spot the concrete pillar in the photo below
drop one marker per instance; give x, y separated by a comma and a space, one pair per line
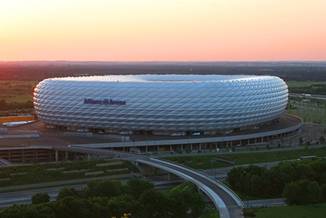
23, 156
56, 154
66, 155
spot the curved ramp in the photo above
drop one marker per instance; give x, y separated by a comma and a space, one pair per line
225, 200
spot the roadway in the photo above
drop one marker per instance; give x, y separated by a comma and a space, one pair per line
273, 202
311, 96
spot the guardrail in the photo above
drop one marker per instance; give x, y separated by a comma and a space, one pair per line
236, 198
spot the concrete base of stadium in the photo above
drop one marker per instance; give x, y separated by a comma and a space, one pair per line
128, 134
54, 145
271, 134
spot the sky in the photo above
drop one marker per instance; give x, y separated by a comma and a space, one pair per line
163, 30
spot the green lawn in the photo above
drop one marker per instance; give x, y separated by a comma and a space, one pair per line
39, 173
310, 110
311, 87
210, 161
304, 211
293, 83
199, 162
16, 91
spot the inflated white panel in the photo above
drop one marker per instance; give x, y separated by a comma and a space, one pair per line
160, 102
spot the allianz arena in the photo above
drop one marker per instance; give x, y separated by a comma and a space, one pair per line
160, 103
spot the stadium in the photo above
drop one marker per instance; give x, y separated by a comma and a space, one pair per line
159, 103
183, 110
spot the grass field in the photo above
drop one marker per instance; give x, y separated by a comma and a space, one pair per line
304, 211
307, 87
307, 83
211, 161
309, 110
16, 91
39, 173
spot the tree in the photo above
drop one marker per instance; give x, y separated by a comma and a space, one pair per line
70, 207
314, 192
28, 211
154, 204
186, 200
123, 204
67, 192
319, 167
322, 140
257, 186
261, 182
100, 204
323, 192
3, 105
135, 187
106, 188
302, 192
234, 176
276, 182
287, 172
250, 180
300, 140
40, 198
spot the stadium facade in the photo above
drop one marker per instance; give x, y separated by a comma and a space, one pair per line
160, 103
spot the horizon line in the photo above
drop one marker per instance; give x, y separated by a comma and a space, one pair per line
169, 61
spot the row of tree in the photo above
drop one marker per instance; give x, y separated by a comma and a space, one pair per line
136, 199
299, 182
4, 105
312, 89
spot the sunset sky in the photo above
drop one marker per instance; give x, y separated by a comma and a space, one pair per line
163, 30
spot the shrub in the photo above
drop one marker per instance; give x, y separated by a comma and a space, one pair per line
67, 192
302, 192
28, 211
323, 192
70, 207
136, 187
105, 188
40, 198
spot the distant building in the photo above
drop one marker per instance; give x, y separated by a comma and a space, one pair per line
173, 104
